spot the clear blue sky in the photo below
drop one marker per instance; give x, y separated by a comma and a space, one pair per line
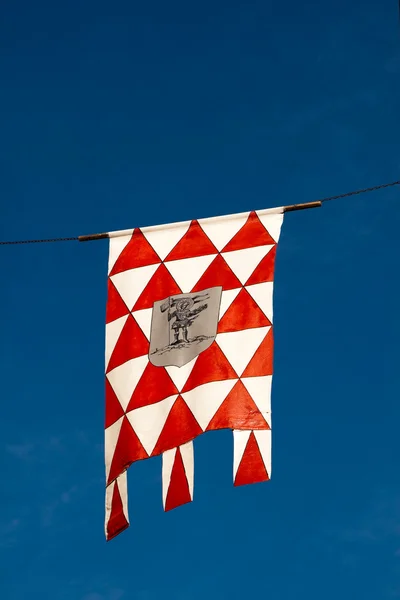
122, 114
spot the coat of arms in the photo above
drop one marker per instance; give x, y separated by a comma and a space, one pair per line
182, 326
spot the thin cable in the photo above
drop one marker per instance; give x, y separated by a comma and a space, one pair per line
66, 239
363, 191
100, 236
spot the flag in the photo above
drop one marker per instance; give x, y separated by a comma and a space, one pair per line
189, 349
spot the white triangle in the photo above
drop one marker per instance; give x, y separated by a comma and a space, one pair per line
163, 240
116, 246
143, 319
130, 284
205, 400
111, 436
124, 379
272, 223
148, 421
262, 294
227, 298
188, 271
239, 346
264, 441
240, 439
113, 331
187, 454
243, 262
221, 231
180, 375
259, 389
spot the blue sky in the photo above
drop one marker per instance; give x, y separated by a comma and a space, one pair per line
123, 114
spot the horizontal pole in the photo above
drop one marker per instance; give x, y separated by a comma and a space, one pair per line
92, 237
292, 207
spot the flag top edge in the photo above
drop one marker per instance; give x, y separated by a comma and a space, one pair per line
266, 211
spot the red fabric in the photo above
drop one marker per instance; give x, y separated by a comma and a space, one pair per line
251, 468
161, 285
265, 270
238, 411
218, 274
253, 233
117, 521
128, 450
180, 427
114, 409
243, 313
116, 307
132, 343
194, 243
262, 362
137, 253
178, 489
211, 365
154, 385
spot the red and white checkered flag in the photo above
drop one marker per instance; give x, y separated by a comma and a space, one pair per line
189, 349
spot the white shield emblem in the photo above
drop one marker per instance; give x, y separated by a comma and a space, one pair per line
182, 326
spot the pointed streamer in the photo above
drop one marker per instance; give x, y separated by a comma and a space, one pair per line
177, 476
117, 517
249, 465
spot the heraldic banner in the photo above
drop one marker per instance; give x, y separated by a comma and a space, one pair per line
189, 349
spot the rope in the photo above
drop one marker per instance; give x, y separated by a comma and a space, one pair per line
363, 191
65, 239
328, 199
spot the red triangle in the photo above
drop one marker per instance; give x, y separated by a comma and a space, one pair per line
178, 489
264, 270
194, 243
131, 343
211, 365
263, 360
238, 411
117, 521
180, 427
128, 450
242, 314
218, 273
251, 468
160, 286
154, 385
137, 253
114, 410
116, 307
253, 233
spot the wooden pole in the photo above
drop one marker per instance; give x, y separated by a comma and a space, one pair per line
292, 207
